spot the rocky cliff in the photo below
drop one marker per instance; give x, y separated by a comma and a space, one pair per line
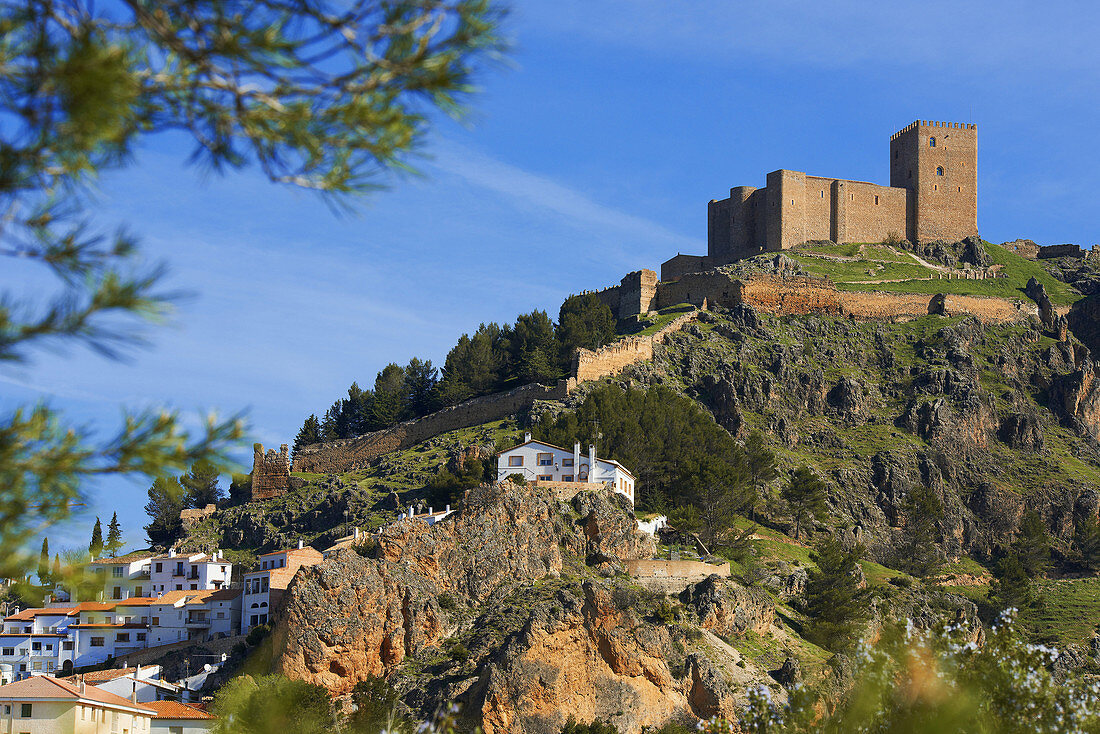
516, 608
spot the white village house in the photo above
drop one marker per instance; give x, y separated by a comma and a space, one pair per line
538, 461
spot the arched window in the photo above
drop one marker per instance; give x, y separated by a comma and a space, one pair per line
931, 142
939, 170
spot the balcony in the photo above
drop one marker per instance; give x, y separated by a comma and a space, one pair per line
200, 622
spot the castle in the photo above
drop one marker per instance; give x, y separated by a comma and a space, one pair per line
933, 195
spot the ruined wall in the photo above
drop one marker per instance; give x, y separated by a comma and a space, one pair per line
353, 453
903, 306
1049, 251
675, 569
676, 267
1023, 248
613, 358
191, 518
270, 472
637, 293
789, 294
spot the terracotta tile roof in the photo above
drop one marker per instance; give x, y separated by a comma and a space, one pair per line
94, 606
176, 710
137, 601
41, 686
27, 614
200, 596
128, 558
118, 625
100, 676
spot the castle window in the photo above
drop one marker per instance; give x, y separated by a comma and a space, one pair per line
910, 173
939, 170
876, 201
931, 142
822, 194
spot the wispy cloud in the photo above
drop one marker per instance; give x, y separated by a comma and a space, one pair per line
542, 193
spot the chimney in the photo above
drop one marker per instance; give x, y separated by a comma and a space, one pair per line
82, 685
431, 510
526, 436
171, 552
448, 508
301, 544
576, 459
591, 462
357, 533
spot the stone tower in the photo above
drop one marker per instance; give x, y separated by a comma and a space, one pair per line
937, 163
270, 472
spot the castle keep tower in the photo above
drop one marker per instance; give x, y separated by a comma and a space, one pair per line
937, 162
933, 195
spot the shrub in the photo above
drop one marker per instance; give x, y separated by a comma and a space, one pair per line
572, 726
257, 634
459, 652
447, 602
517, 479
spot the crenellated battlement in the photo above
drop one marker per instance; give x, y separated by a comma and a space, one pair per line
917, 124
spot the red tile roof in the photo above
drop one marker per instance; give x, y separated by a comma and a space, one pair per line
41, 686
176, 710
128, 558
100, 676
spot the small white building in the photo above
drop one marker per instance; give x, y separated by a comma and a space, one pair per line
140, 683
173, 717
189, 572
42, 705
194, 615
119, 578
538, 461
265, 585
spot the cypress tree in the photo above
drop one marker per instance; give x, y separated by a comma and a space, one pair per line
96, 546
44, 563
114, 537
805, 494
56, 576
835, 603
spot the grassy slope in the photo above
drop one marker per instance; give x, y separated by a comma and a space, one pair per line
881, 262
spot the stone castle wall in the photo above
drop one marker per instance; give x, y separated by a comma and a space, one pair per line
270, 471
613, 358
675, 569
354, 453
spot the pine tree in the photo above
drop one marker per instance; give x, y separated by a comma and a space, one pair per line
388, 397
96, 546
835, 603
1032, 544
200, 486
1011, 586
44, 563
760, 464
114, 537
164, 506
1086, 542
920, 555
419, 387
308, 434
584, 321
805, 495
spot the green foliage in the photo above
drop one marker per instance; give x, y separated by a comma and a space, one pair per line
760, 463
837, 607
517, 479
240, 488
572, 726
44, 563
200, 485
1011, 587
95, 547
375, 703
114, 536
446, 487
920, 555
1086, 542
247, 705
938, 683
309, 433
257, 634
718, 488
664, 438
166, 500
325, 96
1032, 544
584, 321
805, 494
459, 652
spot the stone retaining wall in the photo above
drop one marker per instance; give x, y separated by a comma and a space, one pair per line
656, 568
613, 358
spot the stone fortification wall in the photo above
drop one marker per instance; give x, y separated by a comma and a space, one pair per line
354, 453
613, 358
903, 306
191, 518
1049, 251
636, 294
675, 569
270, 471
1023, 248
789, 294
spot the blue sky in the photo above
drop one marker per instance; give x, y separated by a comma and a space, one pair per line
591, 152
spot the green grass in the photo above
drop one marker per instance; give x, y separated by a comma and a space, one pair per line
859, 270
663, 318
1069, 611
847, 250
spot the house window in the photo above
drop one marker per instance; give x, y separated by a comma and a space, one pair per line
263, 584
67, 645
116, 571
939, 170
97, 642
36, 645
137, 591
25, 711
160, 567
545, 477
194, 587
117, 593
123, 637
931, 142
252, 620
141, 637
37, 666
221, 615
179, 587
9, 651
546, 459
263, 565
567, 478
156, 621
515, 461
876, 201
567, 461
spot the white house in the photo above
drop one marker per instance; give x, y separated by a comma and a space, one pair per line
43, 705
189, 572
265, 585
538, 461
187, 615
140, 683
120, 578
